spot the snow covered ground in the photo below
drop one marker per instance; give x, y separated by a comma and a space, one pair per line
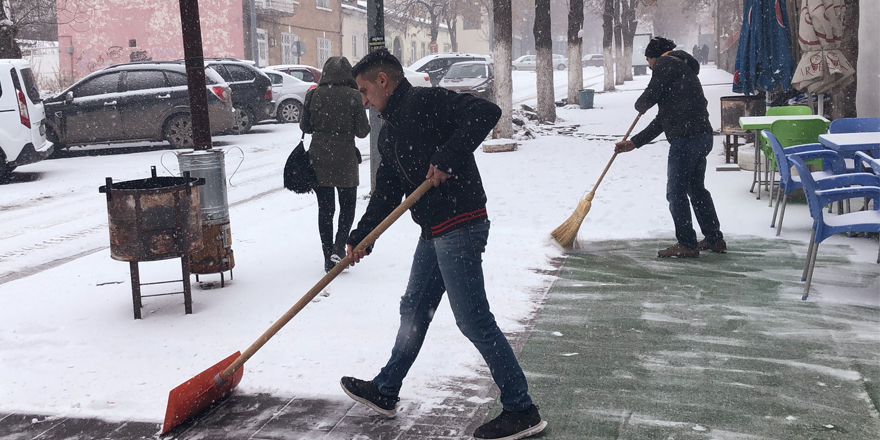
69, 345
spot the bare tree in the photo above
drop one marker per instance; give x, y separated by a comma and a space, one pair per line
844, 99
628, 26
39, 20
619, 62
501, 53
8, 29
575, 48
544, 65
607, 43
434, 11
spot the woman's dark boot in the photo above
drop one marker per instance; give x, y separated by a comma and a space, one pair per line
328, 256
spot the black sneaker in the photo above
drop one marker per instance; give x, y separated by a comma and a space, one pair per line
365, 392
512, 425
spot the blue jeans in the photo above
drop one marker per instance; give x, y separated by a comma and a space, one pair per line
453, 263
685, 186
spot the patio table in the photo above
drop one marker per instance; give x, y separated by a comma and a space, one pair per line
759, 123
848, 143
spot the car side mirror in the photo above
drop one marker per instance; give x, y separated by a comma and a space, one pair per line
68, 98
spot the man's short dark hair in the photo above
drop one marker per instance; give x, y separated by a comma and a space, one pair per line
378, 61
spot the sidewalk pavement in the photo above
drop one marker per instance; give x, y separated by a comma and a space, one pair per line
627, 346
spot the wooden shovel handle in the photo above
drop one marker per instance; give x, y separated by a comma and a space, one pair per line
625, 137
314, 291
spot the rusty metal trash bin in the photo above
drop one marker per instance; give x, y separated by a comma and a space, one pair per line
154, 219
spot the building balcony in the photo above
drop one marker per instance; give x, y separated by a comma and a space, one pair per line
275, 8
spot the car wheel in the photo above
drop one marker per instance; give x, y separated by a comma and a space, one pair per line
178, 131
4, 168
289, 111
243, 121
561, 67
53, 137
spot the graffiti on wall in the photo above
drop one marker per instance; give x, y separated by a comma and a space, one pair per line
91, 60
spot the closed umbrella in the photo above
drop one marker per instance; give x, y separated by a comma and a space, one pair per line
823, 66
763, 59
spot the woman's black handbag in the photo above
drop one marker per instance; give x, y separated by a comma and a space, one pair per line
299, 174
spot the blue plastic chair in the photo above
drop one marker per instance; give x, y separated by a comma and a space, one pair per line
869, 164
854, 125
830, 190
832, 162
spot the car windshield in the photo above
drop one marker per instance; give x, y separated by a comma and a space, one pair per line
459, 71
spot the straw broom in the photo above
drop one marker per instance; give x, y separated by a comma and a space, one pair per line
566, 233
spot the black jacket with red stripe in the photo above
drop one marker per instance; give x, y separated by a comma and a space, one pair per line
426, 126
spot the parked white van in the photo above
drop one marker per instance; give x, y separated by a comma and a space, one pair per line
22, 118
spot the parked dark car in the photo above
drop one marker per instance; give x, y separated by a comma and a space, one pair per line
436, 65
474, 77
134, 102
301, 72
593, 59
251, 91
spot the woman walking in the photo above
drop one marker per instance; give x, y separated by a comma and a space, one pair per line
334, 115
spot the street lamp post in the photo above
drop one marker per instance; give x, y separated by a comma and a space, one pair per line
376, 34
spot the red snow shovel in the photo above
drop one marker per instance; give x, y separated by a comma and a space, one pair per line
196, 394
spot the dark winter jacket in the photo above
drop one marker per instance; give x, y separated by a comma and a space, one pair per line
426, 126
678, 94
334, 114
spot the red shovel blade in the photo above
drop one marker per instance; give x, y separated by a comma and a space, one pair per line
198, 393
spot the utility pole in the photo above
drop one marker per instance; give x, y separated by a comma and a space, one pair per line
376, 34
216, 255
195, 73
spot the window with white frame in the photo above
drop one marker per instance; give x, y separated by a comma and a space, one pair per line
423, 50
325, 50
288, 48
262, 48
354, 46
323, 3
366, 45
412, 52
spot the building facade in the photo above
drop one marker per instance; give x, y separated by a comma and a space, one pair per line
317, 24
269, 32
121, 31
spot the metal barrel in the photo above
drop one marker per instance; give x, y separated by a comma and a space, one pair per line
210, 165
153, 219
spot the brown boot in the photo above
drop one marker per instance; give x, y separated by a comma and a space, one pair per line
679, 251
719, 247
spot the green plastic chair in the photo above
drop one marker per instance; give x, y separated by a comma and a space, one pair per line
789, 110
791, 133
784, 110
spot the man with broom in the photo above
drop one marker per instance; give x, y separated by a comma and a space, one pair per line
432, 133
683, 116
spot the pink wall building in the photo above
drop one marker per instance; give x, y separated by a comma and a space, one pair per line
106, 32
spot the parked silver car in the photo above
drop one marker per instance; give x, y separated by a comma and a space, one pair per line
289, 94
528, 62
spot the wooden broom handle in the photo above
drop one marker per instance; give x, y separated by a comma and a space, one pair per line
226, 374
625, 137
